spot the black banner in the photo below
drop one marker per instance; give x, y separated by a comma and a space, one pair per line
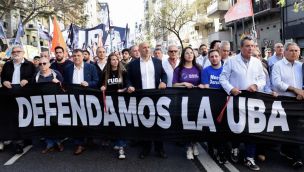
172, 114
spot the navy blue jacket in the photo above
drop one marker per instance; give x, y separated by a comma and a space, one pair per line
90, 75
134, 73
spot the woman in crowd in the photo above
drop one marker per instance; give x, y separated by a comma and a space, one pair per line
114, 79
187, 74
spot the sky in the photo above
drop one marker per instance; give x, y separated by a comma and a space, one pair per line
126, 11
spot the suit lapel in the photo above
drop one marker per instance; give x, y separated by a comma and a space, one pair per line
85, 72
155, 68
137, 70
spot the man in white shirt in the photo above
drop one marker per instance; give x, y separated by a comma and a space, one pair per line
287, 80
244, 72
203, 58
85, 75
147, 73
171, 63
101, 62
287, 77
158, 53
224, 50
15, 74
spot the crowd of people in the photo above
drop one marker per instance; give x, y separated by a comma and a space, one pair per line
139, 68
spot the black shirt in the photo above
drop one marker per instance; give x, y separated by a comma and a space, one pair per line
113, 82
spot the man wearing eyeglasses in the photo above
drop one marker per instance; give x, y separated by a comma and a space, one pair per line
15, 74
171, 63
18, 71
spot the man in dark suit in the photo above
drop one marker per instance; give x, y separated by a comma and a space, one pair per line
147, 73
15, 74
101, 62
83, 74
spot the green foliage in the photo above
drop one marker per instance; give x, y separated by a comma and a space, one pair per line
282, 3
297, 6
172, 16
31, 9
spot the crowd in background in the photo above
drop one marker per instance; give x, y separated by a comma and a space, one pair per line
141, 67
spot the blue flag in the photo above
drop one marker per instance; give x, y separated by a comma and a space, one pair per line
2, 33
20, 33
44, 35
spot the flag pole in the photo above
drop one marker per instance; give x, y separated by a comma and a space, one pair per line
253, 28
38, 38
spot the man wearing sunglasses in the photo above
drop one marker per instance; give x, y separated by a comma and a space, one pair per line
46, 74
170, 63
16, 74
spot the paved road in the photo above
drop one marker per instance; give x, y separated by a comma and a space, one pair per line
104, 159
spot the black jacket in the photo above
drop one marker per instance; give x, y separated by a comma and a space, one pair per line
134, 73
27, 71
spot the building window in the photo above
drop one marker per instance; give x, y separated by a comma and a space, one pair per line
28, 39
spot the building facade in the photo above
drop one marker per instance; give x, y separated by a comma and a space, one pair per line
293, 25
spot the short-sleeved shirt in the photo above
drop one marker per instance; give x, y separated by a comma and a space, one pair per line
190, 75
211, 76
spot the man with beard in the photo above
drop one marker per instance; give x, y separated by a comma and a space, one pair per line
202, 60
17, 73
87, 57
125, 57
61, 61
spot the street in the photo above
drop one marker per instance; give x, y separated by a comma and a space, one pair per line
97, 158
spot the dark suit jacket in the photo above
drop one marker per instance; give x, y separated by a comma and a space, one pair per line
60, 67
27, 71
90, 75
134, 74
99, 73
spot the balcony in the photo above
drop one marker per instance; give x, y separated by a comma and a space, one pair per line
202, 19
217, 8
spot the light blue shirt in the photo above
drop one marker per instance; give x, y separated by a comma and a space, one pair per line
285, 74
272, 60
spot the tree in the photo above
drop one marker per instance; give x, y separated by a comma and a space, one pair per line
172, 16
298, 5
31, 9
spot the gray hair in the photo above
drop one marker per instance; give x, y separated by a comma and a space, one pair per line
286, 46
277, 44
17, 46
170, 46
246, 38
132, 47
224, 43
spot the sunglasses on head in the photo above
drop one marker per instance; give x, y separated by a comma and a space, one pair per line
40, 64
